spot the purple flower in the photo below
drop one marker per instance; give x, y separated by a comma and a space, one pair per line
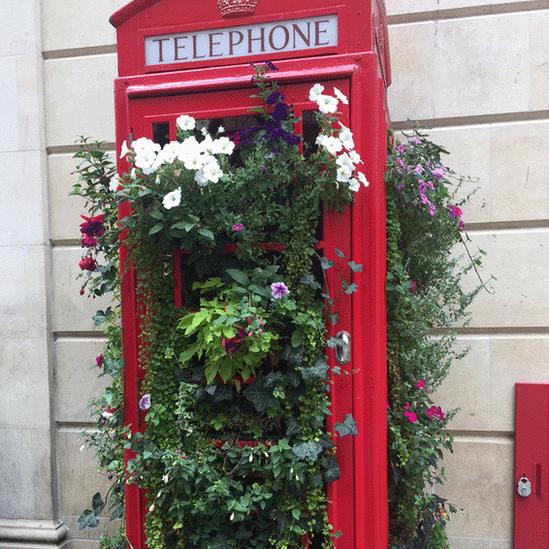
281, 112
418, 169
401, 149
145, 402
438, 173
274, 98
279, 290
291, 138
99, 361
415, 140
270, 66
237, 228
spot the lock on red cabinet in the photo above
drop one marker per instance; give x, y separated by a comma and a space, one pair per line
335, 43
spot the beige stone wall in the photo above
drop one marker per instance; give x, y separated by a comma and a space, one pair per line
476, 71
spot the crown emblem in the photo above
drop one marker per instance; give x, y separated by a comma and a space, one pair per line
236, 8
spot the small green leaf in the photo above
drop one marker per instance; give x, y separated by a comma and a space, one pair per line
355, 267
297, 338
307, 450
184, 225
350, 289
326, 264
206, 233
340, 253
156, 228
87, 520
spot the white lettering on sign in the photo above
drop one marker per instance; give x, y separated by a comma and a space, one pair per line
246, 40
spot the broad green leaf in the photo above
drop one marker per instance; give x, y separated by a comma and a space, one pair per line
210, 372
206, 233
184, 225
239, 276
97, 503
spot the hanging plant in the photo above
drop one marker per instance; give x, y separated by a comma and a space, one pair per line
236, 452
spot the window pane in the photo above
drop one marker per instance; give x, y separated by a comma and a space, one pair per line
161, 133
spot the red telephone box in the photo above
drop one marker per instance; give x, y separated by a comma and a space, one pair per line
190, 56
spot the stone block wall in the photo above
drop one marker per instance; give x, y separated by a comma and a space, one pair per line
474, 71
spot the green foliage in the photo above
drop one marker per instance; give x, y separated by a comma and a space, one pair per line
424, 294
236, 453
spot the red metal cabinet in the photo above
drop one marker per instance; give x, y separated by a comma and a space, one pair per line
532, 466
149, 99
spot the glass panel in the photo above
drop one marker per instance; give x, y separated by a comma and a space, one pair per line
161, 133
232, 124
311, 129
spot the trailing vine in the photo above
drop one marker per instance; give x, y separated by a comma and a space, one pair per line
424, 294
236, 388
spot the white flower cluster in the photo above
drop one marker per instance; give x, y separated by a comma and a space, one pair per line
197, 156
342, 145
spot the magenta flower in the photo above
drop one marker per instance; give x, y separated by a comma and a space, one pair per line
89, 241
413, 287
279, 290
145, 402
456, 213
237, 228
435, 412
410, 416
418, 169
401, 149
92, 226
415, 140
99, 361
420, 384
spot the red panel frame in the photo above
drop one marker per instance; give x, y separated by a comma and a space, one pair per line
532, 461
366, 492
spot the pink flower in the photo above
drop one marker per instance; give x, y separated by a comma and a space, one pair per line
237, 228
438, 173
413, 287
456, 213
435, 412
92, 226
420, 384
99, 361
414, 140
401, 149
418, 169
410, 416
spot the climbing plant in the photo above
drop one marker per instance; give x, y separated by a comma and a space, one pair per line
426, 248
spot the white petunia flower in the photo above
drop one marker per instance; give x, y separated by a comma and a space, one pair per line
186, 122
355, 157
169, 153
114, 184
207, 144
341, 96
221, 129
346, 136
124, 151
223, 145
362, 178
204, 131
172, 200
354, 185
200, 178
212, 172
343, 175
345, 161
327, 104
165, 479
332, 144
145, 145
193, 161
315, 92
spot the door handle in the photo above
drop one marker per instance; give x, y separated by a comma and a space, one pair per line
343, 347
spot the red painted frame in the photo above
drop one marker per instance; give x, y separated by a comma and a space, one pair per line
367, 73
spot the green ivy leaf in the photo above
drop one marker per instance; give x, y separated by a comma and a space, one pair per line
350, 289
314, 373
307, 450
87, 520
220, 542
326, 264
348, 427
260, 396
331, 469
97, 503
355, 267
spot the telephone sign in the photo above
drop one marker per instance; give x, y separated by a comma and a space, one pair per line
242, 41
